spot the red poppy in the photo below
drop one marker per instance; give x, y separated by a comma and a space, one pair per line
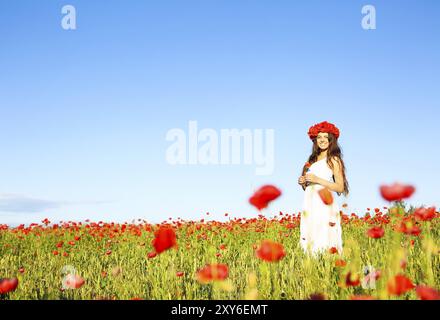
427, 293
333, 250
396, 192
8, 285
326, 196
399, 285
408, 227
414, 231
73, 281
263, 196
270, 251
317, 296
323, 127
362, 297
165, 238
212, 272
55, 253
180, 273
376, 232
340, 263
349, 282
151, 255
424, 214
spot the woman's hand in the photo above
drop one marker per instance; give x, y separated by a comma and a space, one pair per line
302, 180
312, 178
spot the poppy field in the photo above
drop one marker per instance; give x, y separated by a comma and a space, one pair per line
388, 253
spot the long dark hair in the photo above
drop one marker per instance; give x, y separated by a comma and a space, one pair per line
333, 152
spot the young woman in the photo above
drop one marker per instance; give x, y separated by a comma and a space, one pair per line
320, 228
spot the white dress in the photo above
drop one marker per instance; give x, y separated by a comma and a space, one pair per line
320, 227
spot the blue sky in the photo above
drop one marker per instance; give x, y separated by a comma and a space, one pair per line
84, 113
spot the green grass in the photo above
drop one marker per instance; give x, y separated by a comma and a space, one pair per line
296, 276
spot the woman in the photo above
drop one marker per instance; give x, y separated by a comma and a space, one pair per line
320, 228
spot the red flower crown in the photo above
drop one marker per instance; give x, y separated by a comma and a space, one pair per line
323, 127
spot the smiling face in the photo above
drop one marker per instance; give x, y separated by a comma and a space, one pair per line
322, 140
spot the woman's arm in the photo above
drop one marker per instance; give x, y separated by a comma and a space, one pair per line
302, 182
338, 185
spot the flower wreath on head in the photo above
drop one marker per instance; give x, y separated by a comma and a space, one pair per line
323, 127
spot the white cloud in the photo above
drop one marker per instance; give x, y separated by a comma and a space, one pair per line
24, 204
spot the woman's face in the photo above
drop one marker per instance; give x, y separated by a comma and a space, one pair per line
322, 140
